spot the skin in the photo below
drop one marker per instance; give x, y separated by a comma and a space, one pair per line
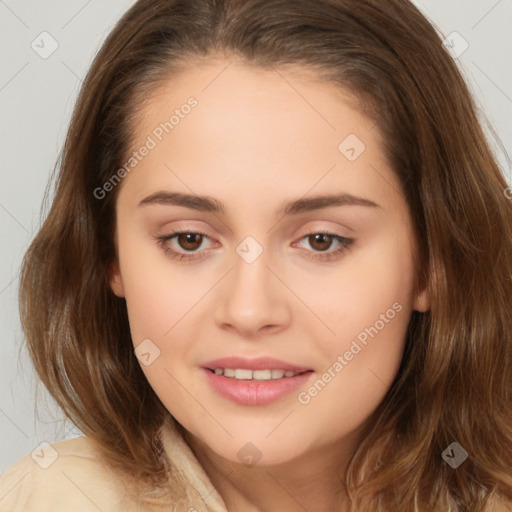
254, 142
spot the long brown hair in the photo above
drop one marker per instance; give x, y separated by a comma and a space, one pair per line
454, 384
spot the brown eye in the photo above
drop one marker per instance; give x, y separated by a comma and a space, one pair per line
189, 241
320, 241
320, 245
184, 246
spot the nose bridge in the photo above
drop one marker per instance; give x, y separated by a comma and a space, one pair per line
252, 298
250, 277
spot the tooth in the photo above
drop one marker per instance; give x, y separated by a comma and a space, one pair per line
277, 374
242, 373
262, 374
246, 374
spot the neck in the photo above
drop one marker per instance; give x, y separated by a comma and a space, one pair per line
311, 481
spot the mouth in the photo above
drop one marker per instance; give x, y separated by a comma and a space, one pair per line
254, 381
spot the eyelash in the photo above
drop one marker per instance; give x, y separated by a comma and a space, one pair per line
323, 256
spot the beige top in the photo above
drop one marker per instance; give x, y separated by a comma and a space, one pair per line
71, 476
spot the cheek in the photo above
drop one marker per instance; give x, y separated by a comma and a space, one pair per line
365, 284
367, 303
149, 307
158, 303
358, 372
369, 308
153, 300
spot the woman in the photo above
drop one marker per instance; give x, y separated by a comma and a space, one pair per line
276, 274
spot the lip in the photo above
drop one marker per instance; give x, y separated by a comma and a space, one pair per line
254, 392
260, 363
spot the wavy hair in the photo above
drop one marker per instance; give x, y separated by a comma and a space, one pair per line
454, 383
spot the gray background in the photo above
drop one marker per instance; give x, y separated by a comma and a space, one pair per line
36, 98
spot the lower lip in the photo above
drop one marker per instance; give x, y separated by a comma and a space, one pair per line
255, 392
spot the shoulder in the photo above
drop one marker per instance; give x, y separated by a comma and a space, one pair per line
68, 475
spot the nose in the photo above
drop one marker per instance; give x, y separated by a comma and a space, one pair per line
253, 300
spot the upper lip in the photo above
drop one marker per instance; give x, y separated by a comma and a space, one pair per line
260, 363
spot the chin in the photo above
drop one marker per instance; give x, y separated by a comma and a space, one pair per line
258, 449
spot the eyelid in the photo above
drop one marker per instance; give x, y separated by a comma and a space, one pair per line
304, 231
322, 228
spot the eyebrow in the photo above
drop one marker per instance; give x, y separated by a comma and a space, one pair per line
210, 204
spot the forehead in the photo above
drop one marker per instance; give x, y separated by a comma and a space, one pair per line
257, 131
232, 95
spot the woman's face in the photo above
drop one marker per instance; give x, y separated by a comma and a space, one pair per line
299, 257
